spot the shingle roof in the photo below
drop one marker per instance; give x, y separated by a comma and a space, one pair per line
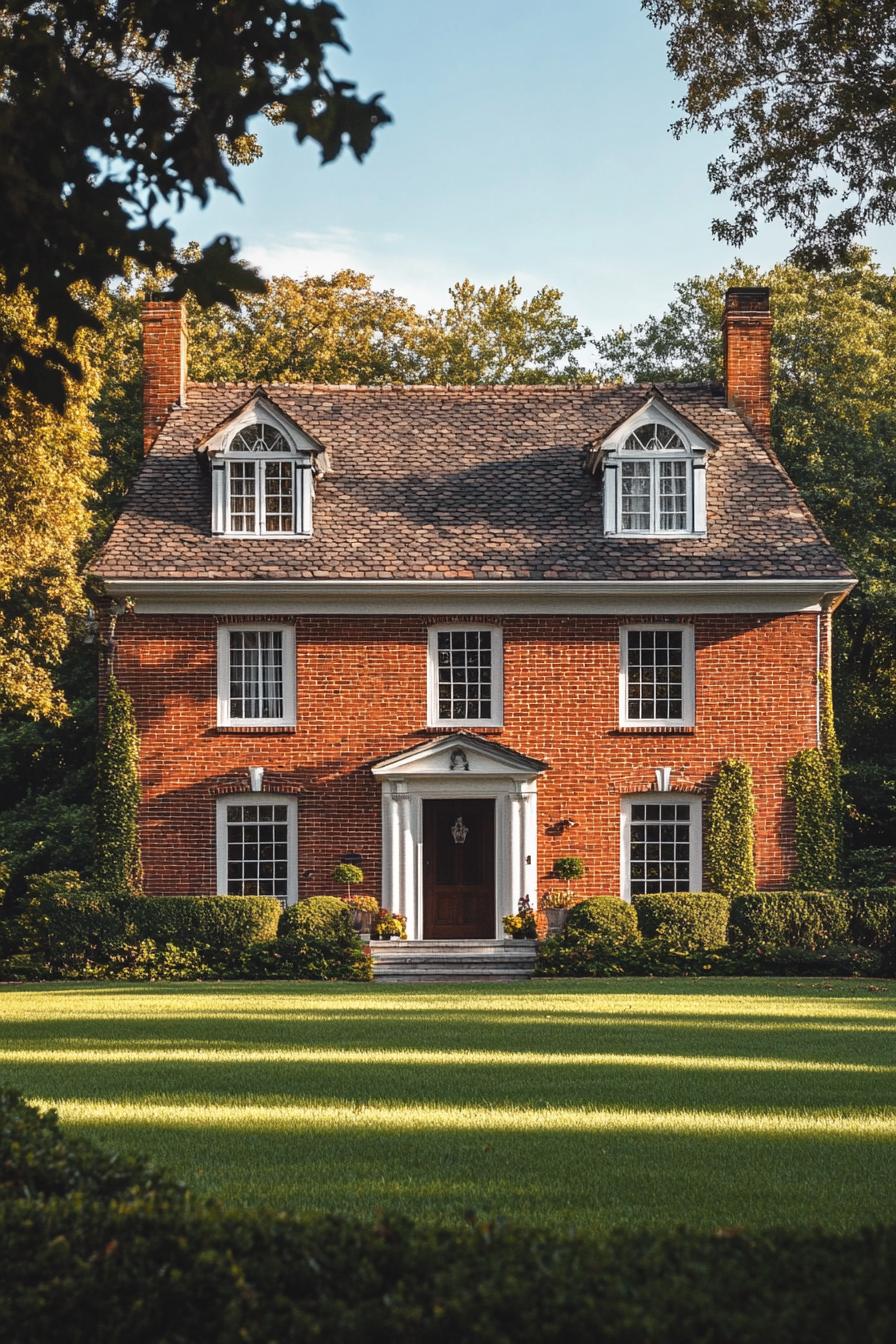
464, 483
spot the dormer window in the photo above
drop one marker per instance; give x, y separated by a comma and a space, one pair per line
263, 472
654, 470
260, 482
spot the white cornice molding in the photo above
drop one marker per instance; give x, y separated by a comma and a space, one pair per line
445, 597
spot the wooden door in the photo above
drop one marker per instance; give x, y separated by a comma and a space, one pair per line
459, 868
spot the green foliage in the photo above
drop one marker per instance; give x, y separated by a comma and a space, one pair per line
348, 874
81, 1228
309, 955
118, 868
684, 921
62, 927
803, 92
152, 120
602, 919
806, 919
874, 866
321, 916
873, 917
729, 830
568, 868
220, 927
812, 789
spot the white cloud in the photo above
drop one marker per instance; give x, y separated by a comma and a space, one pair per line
384, 256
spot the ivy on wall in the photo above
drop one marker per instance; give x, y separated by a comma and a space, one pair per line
811, 787
118, 869
730, 863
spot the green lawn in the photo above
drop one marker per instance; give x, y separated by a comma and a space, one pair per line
742, 1102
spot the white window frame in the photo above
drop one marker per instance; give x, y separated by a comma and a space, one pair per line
288, 718
432, 678
688, 677
261, 799
695, 882
653, 460
694, 451
298, 453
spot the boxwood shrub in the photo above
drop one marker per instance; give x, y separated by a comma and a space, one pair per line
100, 1250
224, 926
684, 921
808, 919
319, 916
604, 920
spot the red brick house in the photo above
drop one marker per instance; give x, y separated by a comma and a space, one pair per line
458, 632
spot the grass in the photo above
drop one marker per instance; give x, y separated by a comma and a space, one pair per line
738, 1103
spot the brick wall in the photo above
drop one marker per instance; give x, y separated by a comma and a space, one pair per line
361, 684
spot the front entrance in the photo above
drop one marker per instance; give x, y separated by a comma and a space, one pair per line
459, 868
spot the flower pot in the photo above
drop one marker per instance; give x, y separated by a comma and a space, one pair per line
362, 920
557, 919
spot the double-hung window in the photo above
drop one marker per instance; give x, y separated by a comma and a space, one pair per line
656, 676
661, 844
466, 682
256, 676
256, 846
655, 482
262, 484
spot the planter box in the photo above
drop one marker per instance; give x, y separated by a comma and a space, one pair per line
362, 920
557, 919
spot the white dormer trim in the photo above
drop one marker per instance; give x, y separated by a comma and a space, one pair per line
613, 452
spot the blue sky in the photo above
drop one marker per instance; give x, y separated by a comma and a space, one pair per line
529, 139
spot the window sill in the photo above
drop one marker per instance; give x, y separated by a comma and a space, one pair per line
447, 728
639, 730
265, 728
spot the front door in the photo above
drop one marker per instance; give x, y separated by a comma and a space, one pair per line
459, 868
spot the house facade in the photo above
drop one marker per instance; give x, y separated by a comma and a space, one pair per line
454, 633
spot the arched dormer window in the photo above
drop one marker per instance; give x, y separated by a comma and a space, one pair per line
654, 469
263, 469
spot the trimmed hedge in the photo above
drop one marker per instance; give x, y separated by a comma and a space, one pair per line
604, 919
317, 916
806, 919
873, 917
98, 1251
222, 926
684, 921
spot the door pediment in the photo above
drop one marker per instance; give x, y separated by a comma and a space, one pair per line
458, 756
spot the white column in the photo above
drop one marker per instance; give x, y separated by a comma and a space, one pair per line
408, 861
530, 842
391, 894
517, 854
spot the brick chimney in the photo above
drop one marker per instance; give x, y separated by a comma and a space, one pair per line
746, 351
164, 363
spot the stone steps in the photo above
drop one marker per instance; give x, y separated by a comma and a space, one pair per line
461, 959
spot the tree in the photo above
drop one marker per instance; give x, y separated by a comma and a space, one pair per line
118, 869
493, 335
806, 90
834, 427
48, 463
111, 112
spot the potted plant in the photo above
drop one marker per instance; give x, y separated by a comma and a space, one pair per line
362, 910
387, 925
348, 875
566, 869
556, 905
522, 924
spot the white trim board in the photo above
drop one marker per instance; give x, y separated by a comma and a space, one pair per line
467, 597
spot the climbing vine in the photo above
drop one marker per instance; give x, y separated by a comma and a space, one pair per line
729, 831
118, 869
